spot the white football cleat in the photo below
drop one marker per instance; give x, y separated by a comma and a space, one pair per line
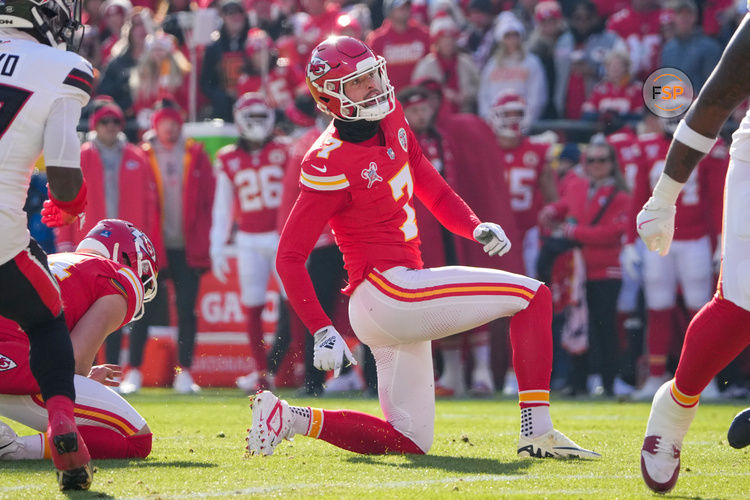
482, 383
510, 385
8, 442
552, 444
132, 382
253, 382
660, 463
272, 423
667, 425
347, 382
649, 388
183, 383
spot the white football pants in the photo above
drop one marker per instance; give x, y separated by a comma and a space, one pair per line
398, 312
95, 405
256, 256
688, 263
734, 284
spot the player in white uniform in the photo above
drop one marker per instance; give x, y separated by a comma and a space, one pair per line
42, 90
721, 329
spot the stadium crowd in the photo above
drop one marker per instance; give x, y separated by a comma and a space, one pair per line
531, 110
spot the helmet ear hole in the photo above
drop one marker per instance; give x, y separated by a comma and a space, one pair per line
126, 260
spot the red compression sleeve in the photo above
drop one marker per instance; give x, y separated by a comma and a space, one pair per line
310, 213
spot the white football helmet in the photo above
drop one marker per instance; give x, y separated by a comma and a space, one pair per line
254, 118
507, 114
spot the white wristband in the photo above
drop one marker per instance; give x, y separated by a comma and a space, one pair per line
693, 139
667, 189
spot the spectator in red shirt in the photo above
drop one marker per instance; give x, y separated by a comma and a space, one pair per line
640, 26
595, 214
401, 41
617, 98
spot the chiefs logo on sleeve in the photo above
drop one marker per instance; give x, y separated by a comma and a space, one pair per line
6, 363
133, 290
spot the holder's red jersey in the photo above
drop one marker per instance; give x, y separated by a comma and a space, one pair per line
522, 167
364, 190
257, 179
83, 279
699, 205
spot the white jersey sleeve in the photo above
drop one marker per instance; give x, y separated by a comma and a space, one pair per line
37, 83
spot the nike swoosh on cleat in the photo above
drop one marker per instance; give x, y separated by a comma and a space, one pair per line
640, 226
324, 169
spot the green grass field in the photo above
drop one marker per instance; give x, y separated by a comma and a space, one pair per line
198, 452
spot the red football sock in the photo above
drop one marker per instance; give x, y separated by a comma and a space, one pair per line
104, 443
659, 334
255, 336
716, 335
359, 432
531, 339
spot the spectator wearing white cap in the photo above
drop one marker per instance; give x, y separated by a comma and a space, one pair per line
456, 72
511, 67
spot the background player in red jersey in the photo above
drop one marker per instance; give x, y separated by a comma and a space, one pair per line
689, 265
248, 191
721, 329
361, 176
104, 285
529, 178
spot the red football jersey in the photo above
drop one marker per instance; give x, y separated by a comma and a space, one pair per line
522, 168
257, 179
642, 33
365, 191
402, 51
83, 280
699, 205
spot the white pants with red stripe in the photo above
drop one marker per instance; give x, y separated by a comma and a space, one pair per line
398, 312
96, 405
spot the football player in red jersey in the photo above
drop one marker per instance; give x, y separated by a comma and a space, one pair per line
689, 265
721, 329
530, 178
360, 176
104, 285
248, 191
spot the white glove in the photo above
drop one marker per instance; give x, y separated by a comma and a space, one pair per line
220, 265
631, 261
493, 238
655, 224
330, 350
